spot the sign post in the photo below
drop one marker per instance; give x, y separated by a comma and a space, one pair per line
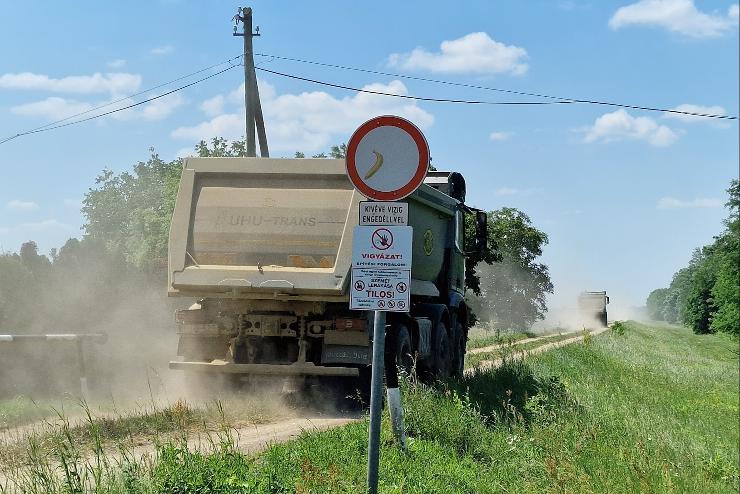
387, 160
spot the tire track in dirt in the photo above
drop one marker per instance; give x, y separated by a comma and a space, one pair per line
488, 364
493, 348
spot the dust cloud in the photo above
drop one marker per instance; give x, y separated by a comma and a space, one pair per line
127, 372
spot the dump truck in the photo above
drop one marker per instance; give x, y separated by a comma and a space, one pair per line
264, 247
593, 305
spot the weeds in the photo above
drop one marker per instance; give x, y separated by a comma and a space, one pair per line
618, 328
587, 337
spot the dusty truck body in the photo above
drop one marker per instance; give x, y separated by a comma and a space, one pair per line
593, 305
264, 246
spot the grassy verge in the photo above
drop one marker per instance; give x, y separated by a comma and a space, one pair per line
652, 410
472, 360
22, 410
479, 337
122, 431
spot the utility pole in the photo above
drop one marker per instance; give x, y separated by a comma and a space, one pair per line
251, 92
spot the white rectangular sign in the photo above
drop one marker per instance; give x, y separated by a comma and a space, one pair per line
380, 289
382, 247
381, 268
384, 213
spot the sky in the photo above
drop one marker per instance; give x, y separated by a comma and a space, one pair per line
624, 195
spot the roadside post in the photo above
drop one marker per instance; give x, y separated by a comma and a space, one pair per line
387, 160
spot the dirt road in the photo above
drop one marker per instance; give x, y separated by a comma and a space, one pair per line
487, 364
252, 439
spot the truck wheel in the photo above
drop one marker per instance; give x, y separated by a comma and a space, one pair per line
404, 353
460, 340
442, 351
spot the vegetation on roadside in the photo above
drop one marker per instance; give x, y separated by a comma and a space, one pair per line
652, 410
121, 431
514, 347
705, 295
20, 410
479, 337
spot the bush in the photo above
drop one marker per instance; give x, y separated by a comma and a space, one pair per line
618, 328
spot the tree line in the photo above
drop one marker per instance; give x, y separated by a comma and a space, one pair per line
705, 295
124, 251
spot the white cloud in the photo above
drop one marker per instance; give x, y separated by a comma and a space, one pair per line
500, 136
56, 108
308, 121
116, 64
672, 203
680, 16
22, 206
709, 110
162, 50
52, 108
475, 53
113, 83
213, 106
162, 107
620, 125
51, 224
37, 226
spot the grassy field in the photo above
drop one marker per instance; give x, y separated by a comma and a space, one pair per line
652, 410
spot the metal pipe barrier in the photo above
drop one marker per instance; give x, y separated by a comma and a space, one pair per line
78, 339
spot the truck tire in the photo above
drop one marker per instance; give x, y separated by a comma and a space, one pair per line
404, 350
441, 352
459, 343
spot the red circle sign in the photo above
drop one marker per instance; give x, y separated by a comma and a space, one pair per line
387, 158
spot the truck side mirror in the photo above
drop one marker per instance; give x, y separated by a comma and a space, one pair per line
481, 231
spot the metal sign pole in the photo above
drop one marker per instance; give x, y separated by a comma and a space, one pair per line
382, 248
376, 401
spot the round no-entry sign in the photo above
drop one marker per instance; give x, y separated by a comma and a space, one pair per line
387, 158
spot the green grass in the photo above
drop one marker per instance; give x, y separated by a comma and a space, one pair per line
652, 410
22, 410
480, 336
472, 360
123, 430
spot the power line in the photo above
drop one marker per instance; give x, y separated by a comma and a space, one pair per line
501, 90
417, 98
54, 125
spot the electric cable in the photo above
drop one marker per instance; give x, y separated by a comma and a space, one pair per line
53, 125
417, 98
509, 91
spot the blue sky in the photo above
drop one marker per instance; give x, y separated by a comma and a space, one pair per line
624, 195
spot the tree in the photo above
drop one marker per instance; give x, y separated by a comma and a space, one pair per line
655, 303
512, 292
131, 212
16, 289
705, 295
726, 289
699, 307
338, 151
